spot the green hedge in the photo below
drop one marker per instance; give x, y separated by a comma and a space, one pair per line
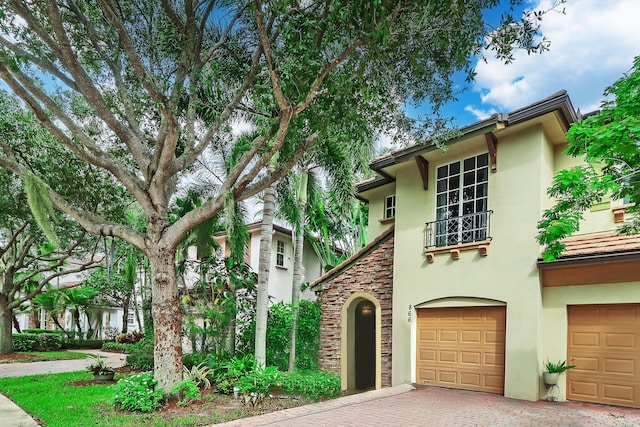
317, 385
37, 342
42, 331
83, 343
121, 347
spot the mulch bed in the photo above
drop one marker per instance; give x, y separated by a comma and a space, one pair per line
16, 356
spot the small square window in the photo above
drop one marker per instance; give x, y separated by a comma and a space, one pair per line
390, 207
279, 253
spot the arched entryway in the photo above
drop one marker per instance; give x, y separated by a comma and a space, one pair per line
365, 345
361, 343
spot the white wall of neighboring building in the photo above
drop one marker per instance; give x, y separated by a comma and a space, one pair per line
280, 277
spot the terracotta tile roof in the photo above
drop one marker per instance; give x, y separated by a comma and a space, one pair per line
600, 243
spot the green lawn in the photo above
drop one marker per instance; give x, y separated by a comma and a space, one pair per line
52, 399
44, 356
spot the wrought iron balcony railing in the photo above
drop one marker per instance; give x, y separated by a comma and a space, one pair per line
468, 228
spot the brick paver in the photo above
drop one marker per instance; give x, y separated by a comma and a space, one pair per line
432, 406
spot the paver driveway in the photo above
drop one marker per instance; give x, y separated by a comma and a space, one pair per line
432, 406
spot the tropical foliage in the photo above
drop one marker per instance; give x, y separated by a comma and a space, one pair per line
608, 142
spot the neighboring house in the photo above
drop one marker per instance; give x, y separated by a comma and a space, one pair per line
281, 272
106, 320
452, 292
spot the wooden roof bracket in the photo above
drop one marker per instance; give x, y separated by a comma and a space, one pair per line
423, 167
492, 146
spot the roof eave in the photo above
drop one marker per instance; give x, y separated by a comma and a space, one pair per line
589, 259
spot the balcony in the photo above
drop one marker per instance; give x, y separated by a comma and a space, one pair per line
460, 230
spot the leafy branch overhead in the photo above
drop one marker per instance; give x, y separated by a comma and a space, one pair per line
609, 142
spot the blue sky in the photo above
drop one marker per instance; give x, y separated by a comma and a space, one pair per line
592, 45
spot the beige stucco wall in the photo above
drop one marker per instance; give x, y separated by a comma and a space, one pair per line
507, 275
376, 199
536, 326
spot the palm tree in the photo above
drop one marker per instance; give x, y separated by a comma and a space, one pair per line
78, 299
264, 266
330, 160
51, 302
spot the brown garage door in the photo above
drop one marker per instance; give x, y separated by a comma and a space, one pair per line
604, 344
461, 347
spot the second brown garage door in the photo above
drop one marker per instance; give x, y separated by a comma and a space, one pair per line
604, 344
461, 347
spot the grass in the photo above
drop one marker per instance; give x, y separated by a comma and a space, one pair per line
52, 399
37, 356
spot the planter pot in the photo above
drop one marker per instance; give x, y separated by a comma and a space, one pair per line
550, 378
103, 378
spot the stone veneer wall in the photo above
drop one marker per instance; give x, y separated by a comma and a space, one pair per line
373, 274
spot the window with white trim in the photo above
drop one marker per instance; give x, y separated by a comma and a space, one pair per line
461, 201
390, 207
279, 253
131, 320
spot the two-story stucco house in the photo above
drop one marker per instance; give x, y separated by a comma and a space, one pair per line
451, 291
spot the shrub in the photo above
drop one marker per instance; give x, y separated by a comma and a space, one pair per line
129, 338
145, 345
258, 383
73, 343
232, 371
137, 393
279, 332
186, 391
37, 342
198, 374
140, 361
190, 360
315, 385
114, 346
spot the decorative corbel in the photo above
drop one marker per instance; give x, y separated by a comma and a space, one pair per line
423, 168
492, 146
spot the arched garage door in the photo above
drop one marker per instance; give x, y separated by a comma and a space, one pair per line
461, 347
604, 344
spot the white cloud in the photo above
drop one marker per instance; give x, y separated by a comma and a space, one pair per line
480, 114
592, 45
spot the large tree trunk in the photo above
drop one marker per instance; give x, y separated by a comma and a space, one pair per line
264, 265
167, 318
297, 269
6, 314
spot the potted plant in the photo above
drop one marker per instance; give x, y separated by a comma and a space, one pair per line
553, 371
102, 372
